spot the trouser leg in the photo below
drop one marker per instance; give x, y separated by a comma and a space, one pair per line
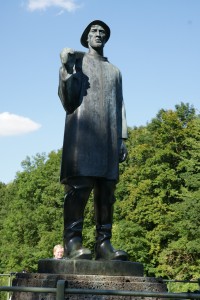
103, 203
77, 194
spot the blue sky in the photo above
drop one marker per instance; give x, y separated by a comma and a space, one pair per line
155, 44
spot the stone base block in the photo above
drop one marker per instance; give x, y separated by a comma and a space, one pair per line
126, 283
90, 267
86, 274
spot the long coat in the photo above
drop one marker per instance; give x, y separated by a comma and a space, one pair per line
95, 119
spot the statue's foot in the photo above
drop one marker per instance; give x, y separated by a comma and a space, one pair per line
105, 251
82, 253
75, 250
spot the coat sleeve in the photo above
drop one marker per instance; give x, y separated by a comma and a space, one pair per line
124, 123
123, 128
69, 90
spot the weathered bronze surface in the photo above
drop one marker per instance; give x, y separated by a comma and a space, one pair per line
90, 89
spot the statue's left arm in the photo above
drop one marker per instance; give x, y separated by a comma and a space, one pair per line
124, 131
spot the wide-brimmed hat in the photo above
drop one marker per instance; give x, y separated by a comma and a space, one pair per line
84, 36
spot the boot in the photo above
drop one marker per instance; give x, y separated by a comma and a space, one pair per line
103, 203
73, 242
74, 205
103, 248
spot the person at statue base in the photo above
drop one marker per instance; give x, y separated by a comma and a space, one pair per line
58, 251
90, 89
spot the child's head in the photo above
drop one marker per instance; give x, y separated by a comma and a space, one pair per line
58, 251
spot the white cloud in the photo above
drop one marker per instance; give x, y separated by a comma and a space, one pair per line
11, 124
68, 5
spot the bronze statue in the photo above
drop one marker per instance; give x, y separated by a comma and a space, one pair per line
90, 89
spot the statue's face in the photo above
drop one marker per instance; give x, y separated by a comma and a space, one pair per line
96, 37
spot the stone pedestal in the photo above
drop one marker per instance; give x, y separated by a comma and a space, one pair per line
83, 274
90, 267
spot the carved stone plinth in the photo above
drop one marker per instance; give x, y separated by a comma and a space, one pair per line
131, 279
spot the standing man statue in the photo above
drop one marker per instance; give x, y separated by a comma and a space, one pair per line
90, 89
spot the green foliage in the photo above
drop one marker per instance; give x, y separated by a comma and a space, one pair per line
33, 223
4, 281
159, 192
157, 209
89, 225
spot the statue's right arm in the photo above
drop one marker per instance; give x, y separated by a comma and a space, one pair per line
69, 83
63, 88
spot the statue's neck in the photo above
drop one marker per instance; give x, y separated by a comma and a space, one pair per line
96, 52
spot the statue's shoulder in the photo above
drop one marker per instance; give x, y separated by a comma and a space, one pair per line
115, 69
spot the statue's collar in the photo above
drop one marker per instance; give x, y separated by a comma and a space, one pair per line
97, 56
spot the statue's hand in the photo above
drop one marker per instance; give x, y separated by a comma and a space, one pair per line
68, 59
123, 152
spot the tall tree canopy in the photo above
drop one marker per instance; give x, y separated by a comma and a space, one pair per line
157, 209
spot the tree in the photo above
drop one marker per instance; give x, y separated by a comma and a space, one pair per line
156, 216
34, 214
163, 164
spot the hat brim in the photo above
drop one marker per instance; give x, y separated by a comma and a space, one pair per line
84, 36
